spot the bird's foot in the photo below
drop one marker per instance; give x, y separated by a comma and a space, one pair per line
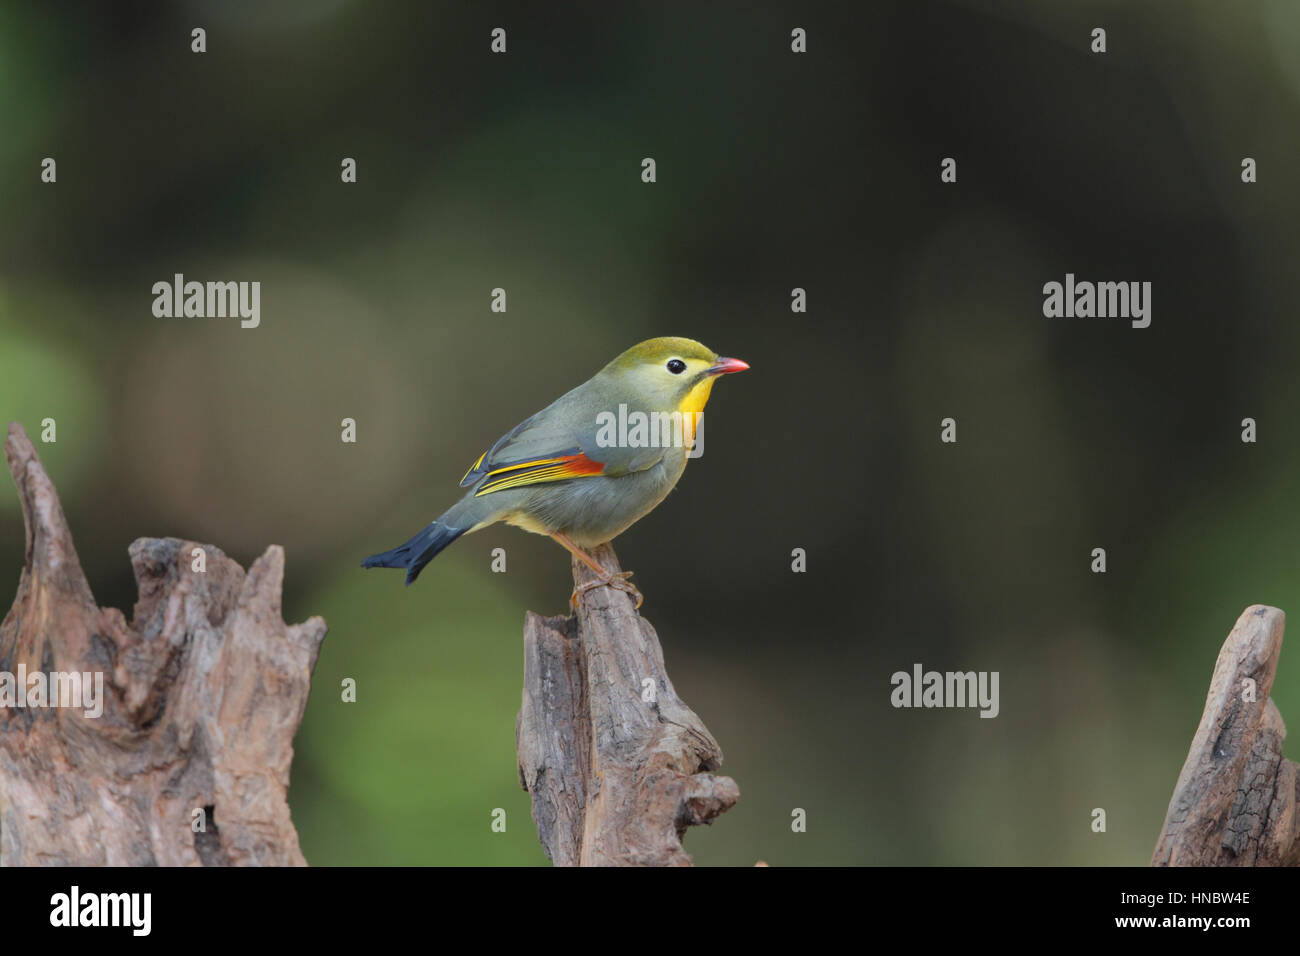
619, 581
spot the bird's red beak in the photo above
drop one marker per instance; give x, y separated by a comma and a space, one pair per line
725, 366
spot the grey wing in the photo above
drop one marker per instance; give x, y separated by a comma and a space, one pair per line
557, 443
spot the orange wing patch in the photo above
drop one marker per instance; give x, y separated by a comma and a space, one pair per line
539, 471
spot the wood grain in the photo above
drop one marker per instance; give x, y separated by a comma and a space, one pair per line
617, 766
204, 689
1235, 801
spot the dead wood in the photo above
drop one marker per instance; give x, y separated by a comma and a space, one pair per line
616, 764
203, 691
1235, 801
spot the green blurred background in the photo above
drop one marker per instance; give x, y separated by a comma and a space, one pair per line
774, 171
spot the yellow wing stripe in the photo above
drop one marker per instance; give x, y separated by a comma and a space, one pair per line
537, 472
525, 464
532, 478
473, 467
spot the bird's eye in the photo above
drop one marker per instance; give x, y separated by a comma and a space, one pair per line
676, 366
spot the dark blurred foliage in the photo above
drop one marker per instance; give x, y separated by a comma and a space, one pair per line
774, 171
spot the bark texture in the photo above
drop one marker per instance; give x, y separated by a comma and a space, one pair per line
1235, 802
203, 691
616, 764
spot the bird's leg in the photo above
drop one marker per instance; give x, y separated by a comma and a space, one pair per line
617, 581
606, 578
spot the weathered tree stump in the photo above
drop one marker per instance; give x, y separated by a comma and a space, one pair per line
202, 694
1235, 802
616, 764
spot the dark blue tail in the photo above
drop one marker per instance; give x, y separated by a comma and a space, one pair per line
417, 552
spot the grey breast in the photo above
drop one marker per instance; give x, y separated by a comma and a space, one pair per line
597, 509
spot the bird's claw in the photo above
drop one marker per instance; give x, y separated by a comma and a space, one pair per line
619, 581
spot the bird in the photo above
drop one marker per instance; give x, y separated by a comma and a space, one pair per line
581, 470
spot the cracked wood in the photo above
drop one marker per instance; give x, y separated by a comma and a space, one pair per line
617, 765
204, 689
